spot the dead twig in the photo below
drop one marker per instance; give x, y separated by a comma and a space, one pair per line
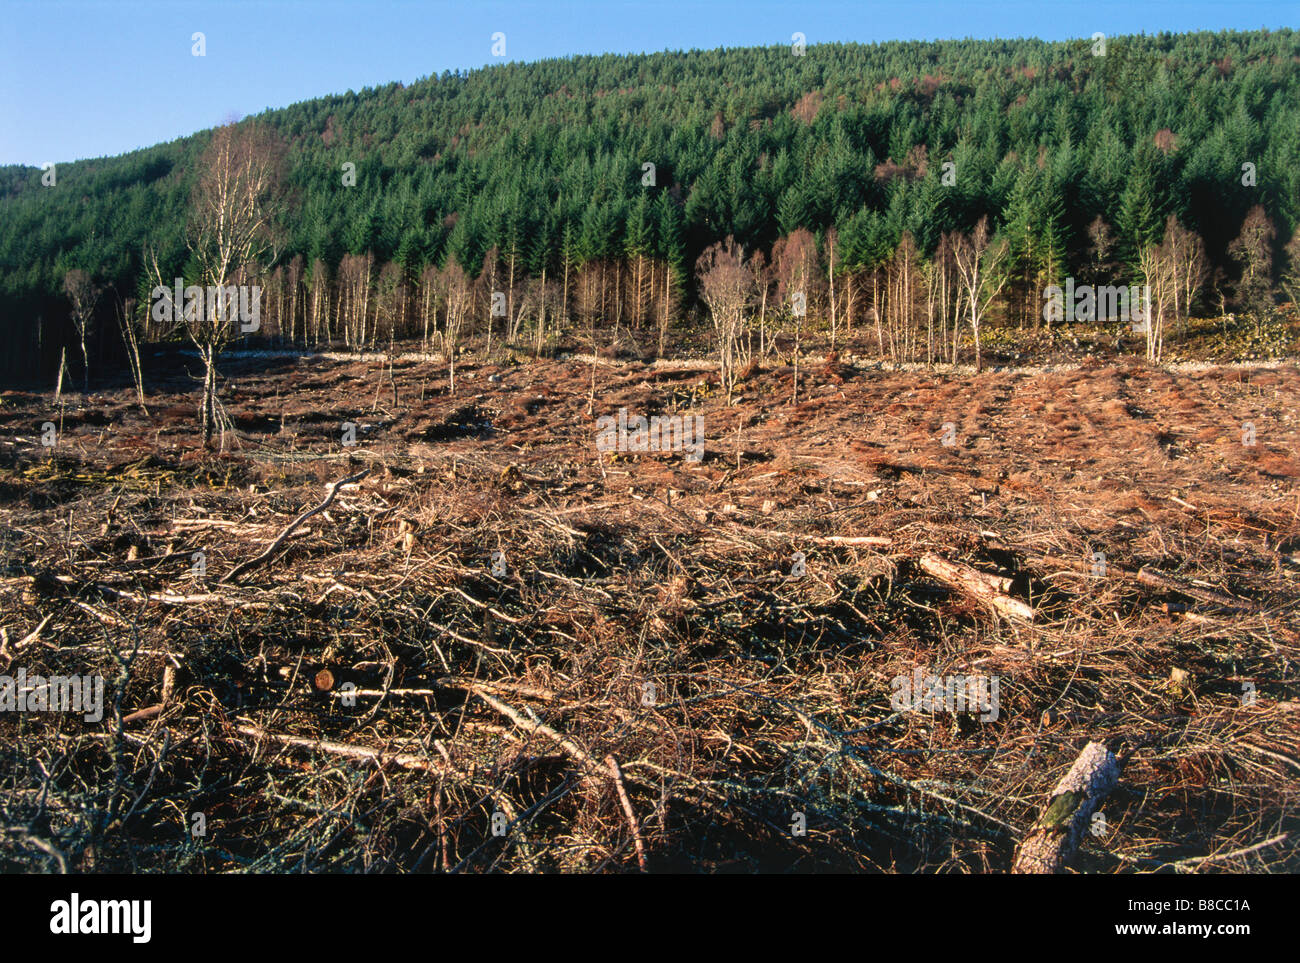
252, 563
627, 810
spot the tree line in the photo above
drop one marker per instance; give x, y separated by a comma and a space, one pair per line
914, 189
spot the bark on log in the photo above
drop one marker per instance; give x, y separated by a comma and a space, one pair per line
998, 583
1056, 834
979, 585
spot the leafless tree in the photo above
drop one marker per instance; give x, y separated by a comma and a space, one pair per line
1291, 278
831, 241
457, 292
487, 285
84, 295
640, 287
798, 272
318, 305
943, 276
980, 263
589, 294
762, 285
669, 304
293, 278
1157, 270
541, 300
727, 286
355, 284
234, 208
900, 303
127, 324
390, 303
430, 296
1185, 252
1253, 250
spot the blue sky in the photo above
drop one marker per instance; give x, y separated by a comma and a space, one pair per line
87, 78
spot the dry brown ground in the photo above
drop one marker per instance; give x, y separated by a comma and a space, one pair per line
648, 613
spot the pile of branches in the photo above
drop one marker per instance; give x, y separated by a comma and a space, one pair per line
470, 668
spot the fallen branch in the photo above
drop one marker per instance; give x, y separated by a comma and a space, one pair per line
33, 635
326, 680
1056, 835
403, 759
1154, 579
252, 563
1214, 857
578, 755
108, 618
141, 714
576, 752
627, 810
978, 585
876, 541
1143, 576
171, 598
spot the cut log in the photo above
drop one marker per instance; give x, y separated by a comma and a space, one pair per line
1056, 834
979, 585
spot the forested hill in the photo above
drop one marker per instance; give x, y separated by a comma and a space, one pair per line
544, 161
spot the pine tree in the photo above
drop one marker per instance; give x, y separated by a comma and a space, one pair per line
1138, 220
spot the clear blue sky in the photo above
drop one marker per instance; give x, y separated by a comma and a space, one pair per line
87, 78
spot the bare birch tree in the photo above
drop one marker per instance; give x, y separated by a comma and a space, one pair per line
84, 295
727, 286
235, 203
1185, 252
457, 293
980, 264
1158, 275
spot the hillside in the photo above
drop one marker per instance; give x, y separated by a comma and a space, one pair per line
532, 171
